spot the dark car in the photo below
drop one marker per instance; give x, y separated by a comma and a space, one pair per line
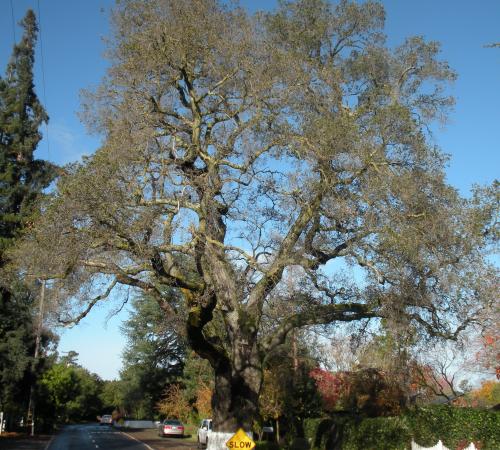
171, 427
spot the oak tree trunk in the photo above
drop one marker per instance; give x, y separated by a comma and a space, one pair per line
238, 381
236, 398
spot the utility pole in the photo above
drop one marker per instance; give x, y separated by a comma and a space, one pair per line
31, 403
294, 352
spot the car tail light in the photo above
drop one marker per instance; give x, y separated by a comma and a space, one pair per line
168, 427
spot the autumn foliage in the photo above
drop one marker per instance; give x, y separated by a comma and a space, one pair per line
203, 402
368, 391
488, 355
272, 396
487, 395
174, 404
330, 386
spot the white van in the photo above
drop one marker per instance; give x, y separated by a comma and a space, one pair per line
204, 432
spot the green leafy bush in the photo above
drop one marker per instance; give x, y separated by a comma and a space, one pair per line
353, 433
381, 433
454, 426
300, 444
322, 432
266, 446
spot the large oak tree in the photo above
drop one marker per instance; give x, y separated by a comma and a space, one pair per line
242, 155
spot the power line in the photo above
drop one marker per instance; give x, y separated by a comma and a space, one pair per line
13, 22
43, 76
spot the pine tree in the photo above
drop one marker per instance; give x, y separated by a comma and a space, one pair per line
22, 177
22, 180
154, 357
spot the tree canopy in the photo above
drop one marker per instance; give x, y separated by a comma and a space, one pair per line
69, 393
242, 156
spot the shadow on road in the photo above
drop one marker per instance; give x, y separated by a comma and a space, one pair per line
151, 438
23, 442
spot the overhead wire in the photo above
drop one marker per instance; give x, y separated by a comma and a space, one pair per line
13, 22
43, 76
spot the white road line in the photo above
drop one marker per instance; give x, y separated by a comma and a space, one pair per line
135, 439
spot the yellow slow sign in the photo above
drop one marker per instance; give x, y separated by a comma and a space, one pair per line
240, 440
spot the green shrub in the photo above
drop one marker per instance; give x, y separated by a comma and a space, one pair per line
454, 426
351, 433
380, 433
313, 428
325, 432
260, 445
300, 444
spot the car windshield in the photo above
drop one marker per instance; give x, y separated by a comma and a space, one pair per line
171, 422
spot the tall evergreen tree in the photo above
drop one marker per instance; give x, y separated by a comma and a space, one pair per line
22, 177
22, 180
154, 357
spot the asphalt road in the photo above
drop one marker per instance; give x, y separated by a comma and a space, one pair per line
92, 437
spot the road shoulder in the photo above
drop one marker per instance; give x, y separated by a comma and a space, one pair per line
18, 441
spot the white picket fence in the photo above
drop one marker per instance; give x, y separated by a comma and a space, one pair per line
136, 424
438, 446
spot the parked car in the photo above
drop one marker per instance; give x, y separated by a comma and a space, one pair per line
204, 432
107, 419
170, 427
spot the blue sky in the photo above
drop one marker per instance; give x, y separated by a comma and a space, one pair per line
73, 32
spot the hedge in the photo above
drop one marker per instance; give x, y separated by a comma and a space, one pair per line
456, 427
262, 445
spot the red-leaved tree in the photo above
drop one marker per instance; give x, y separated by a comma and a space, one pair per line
330, 387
